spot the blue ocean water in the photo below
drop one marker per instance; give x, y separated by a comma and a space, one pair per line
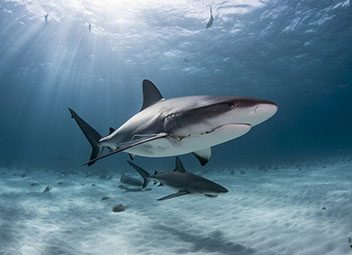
92, 56
295, 53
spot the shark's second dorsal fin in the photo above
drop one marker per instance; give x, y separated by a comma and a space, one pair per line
151, 94
179, 166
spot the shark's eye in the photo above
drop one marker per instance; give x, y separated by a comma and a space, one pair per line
232, 105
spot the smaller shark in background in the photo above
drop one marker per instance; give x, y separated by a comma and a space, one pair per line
185, 183
211, 19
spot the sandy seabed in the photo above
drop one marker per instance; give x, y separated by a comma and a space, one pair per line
283, 211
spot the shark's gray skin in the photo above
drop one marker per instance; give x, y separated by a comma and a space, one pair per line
171, 127
184, 182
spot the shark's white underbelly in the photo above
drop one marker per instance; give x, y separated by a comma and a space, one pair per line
166, 147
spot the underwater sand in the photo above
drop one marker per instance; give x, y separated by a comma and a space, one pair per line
265, 212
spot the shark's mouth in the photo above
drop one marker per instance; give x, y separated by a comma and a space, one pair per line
222, 126
210, 131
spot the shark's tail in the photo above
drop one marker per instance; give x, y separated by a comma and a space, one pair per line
90, 133
142, 172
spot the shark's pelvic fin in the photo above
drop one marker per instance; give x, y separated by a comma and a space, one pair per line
132, 156
177, 194
128, 145
142, 172
151, 94
111, 130
179, 166
203, 155
91, 134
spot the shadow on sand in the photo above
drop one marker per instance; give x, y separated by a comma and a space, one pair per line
214, 242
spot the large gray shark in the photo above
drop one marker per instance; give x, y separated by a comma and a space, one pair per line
185, 183
171, 127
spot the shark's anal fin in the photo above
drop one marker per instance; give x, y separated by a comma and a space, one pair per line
203, 155
177, 194
151, 94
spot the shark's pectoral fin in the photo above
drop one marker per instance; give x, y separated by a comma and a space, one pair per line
210, 195
177, 194
126, 146
203, 155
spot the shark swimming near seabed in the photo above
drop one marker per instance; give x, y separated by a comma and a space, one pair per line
177, 126
184, 182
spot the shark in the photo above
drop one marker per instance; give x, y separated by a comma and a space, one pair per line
184, 182
177, 126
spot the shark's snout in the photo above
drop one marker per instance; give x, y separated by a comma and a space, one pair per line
266, 110
251, 111
262, 112
223, 190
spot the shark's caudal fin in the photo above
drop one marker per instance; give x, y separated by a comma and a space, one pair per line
90, 133
142, 172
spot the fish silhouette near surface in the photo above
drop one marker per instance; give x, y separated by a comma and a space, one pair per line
211, 19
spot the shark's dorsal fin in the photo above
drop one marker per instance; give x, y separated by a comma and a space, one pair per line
111, 130
203, 155
151, 94
179, 166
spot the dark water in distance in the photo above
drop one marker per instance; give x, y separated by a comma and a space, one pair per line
296, 53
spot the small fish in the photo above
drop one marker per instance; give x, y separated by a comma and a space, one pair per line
119, 208
47, 189
129, 180
46, 16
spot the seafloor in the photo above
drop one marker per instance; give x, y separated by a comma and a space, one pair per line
287, 210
